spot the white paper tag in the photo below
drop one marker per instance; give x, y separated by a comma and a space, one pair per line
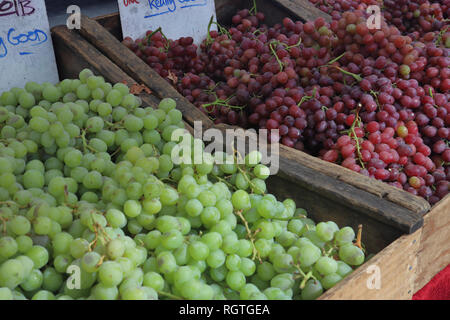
26, 48
177, 18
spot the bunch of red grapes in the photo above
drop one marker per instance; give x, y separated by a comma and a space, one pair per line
374, 101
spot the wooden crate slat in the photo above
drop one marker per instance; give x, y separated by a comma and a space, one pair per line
138, 70
397, 264
303, 9
434, 252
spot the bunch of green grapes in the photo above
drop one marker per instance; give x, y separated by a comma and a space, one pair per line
87, 183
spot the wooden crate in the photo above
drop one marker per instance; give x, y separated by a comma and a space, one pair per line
327, 191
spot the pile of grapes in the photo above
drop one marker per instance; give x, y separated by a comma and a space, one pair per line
93, 207
373, 101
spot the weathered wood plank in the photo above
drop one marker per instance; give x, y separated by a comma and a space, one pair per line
138, 69
302, 9
434, 251
397, 266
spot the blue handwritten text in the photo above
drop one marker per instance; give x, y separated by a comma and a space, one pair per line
33, 38
160, 7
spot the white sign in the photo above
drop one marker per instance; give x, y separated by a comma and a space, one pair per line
26, 49
177, 18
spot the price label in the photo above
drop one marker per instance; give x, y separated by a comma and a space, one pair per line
177, 18
26, 49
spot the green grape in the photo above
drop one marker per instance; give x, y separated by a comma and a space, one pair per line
133, 123
114, 97
8, 247
26, 100
43, 295
312, 290
344, 236
166, 262
351, 255
132, 208
20, 226
24, 243
52, 280
216, 258
235, 280
90, 261
330, 280
51, 93
61, 262
198, 250
324, 231
326, 265
39, 255
110, 273
343, 269
12, 273
154, 280
61, 243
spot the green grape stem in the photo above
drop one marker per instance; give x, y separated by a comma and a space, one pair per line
375, 95
169, 295
352, 135
356, 76
85, 145
254, 9
223, 103
251, 236
307, 98
4, 221
276, 56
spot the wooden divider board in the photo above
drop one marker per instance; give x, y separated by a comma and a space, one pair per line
396, 266
434, 251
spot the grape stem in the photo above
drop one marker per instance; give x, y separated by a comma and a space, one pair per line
3, 220
375, 95
358, 237
254, 9
223, 103
169, 295
305, 277
12, 203
353, 135
307, 98
250, 235
85, 145
276, 56
329, 63
356, 76
209, 39
225, 181
102, 258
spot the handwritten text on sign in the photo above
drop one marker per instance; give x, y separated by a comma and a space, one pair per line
177, 18
26, 50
